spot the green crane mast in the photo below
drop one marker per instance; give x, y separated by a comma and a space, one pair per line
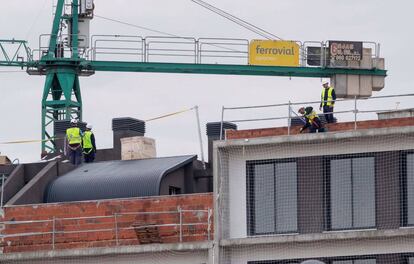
61, 94
62, 98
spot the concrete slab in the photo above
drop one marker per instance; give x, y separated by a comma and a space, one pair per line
105, 251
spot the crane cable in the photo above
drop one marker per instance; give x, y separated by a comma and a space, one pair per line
237, 20
243, 23
128, 125
29, 32
12, 71
136, 26
156, 31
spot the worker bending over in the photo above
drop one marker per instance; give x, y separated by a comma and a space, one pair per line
88, 144
312, 120
74, 142
328, 98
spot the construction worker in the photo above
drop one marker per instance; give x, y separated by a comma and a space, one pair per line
74, 142
88, 145
312, 120
328, 98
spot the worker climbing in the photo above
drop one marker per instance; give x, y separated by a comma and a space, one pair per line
312, 120
328, 98
73, 144
88, 145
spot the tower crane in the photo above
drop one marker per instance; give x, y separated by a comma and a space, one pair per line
68, 56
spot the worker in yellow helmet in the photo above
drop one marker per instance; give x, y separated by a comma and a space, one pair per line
328, 98
88, 144
74, 142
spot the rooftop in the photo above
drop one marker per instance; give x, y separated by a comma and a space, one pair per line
334, 127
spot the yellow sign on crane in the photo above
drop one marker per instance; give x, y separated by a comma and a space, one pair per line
274, 52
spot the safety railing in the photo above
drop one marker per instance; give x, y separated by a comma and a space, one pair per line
190, 225
352, 107
220, 50
120, 47
167, 49
64, 49
213, 51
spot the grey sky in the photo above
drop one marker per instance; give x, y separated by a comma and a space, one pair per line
144, 95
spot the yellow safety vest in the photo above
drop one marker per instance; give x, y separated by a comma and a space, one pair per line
74, 135
329, 100
87, 142
312, 115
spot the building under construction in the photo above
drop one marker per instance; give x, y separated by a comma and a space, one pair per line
265, 195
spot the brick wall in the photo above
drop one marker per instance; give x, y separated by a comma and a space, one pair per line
132, 222
279, 131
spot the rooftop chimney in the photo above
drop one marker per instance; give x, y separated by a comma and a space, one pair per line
213, 133
125, 127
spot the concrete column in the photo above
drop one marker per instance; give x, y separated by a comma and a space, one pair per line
310, 195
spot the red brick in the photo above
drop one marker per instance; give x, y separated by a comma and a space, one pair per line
169, 234
279, 131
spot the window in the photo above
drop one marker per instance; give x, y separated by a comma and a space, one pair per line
272, 197
351, 198
172, 190
410, 189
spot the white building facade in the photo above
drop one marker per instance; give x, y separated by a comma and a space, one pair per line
338, 198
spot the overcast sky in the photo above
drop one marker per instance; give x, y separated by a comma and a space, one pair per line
145, 95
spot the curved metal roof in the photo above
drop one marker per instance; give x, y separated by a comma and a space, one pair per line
114, 179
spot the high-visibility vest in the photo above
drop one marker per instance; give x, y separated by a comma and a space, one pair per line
311, 116
329, 100
74, 135
87, 142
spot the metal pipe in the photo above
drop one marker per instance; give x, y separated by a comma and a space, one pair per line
200, 139
53, 232
2, 191
116, 229
355, 113
221, 123
209, 224
181, 224
289, 118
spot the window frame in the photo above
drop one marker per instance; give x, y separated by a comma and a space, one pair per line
327, 189
174, 190
404, 188
250, 196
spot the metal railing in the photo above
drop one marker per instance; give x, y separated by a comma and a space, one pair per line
117, 45
355, 110
191, 50
57, 225
222, 51
65, 46
3, 180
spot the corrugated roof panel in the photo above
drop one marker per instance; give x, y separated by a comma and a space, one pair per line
114, 179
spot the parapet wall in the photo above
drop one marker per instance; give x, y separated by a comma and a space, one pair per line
105, 223
344, 126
